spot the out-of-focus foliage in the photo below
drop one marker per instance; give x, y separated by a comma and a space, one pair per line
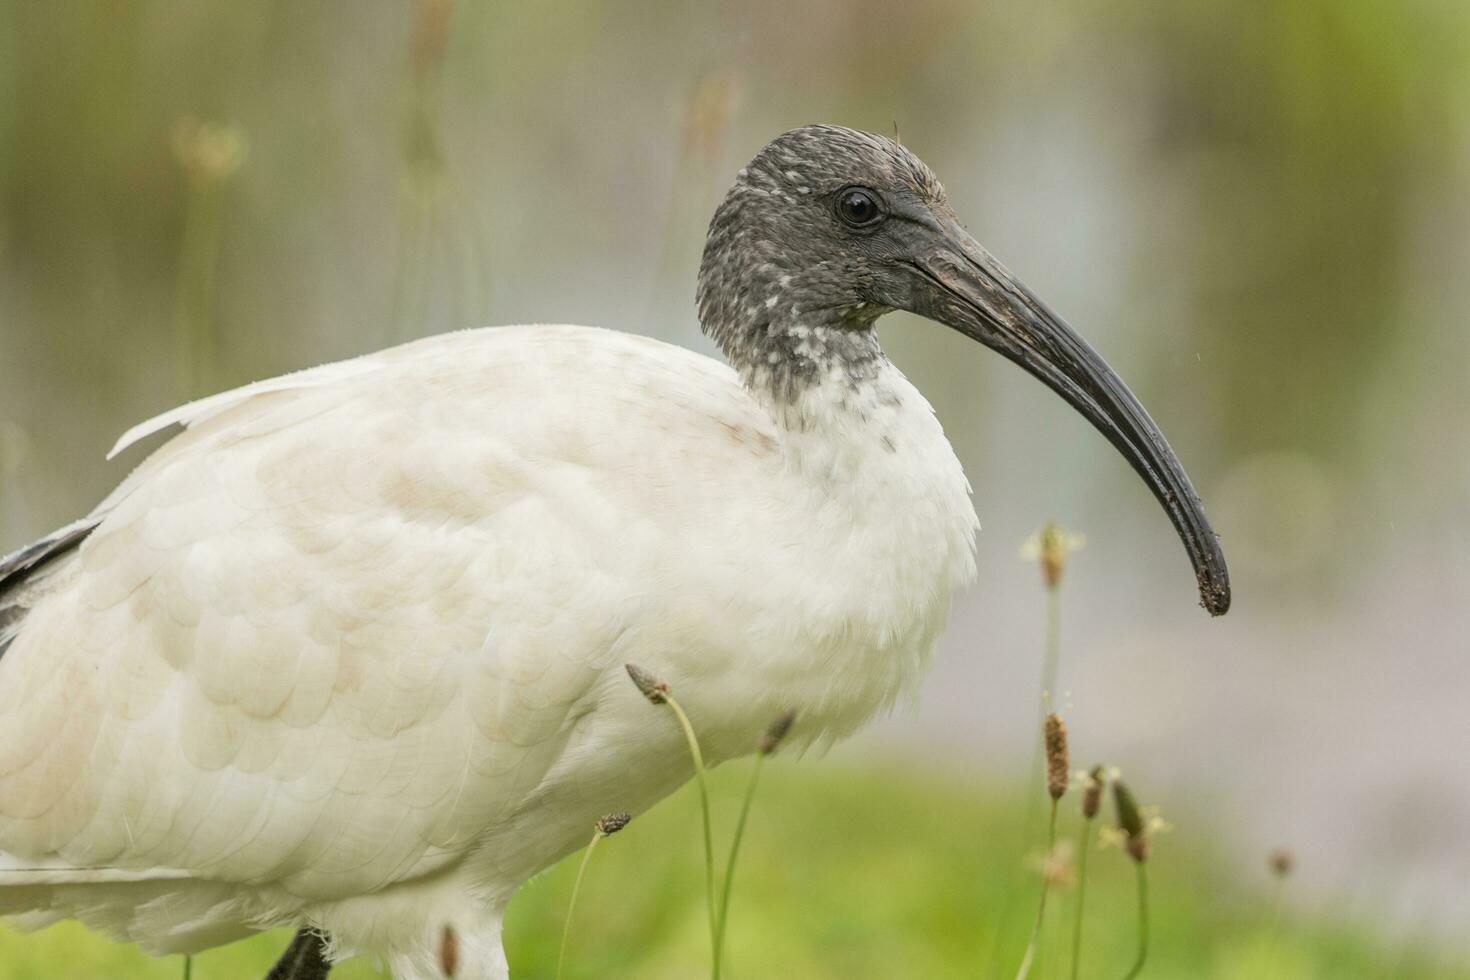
850, 876
1258, 211
1266, 199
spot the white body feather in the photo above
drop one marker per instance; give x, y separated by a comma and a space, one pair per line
350, 648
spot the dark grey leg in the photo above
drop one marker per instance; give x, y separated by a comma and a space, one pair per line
304, 959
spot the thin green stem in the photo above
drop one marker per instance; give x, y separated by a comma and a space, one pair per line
1051, 658
1084, 838
406, 266
1273, 929
475, 257
566, 929
187, 353
1142, 922
1052, 661
755, 775
709, 840
188, 967
194, 289
206, 343
1031, 947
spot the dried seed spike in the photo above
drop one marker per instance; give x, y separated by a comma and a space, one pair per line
1130, 818
1130, 821
776, 731
208, 152
430, 34
613, 822
449, 951
1049, 547
655, 690
1058, 765
1053, 553
1097, 781
1281, 861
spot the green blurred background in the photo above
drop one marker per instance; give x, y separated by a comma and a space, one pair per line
1258, 211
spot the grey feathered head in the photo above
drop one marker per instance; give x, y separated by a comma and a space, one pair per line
795, 242
829, 228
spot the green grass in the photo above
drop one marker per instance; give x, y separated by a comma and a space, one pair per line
852, 875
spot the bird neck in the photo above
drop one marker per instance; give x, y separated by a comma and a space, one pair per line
803, 365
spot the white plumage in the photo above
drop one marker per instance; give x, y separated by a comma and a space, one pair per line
351, 647
349, 651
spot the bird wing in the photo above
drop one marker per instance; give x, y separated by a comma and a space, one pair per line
325, 636
24, 573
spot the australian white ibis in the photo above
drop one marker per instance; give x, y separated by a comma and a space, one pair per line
347, 653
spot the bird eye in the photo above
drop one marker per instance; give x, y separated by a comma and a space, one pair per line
858, 207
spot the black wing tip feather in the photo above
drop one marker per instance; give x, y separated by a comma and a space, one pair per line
18, 567
15, 566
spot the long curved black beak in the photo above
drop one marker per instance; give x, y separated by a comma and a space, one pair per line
961, 285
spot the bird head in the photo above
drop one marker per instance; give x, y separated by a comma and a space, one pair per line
829, 228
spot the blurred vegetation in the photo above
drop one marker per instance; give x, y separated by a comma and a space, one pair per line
850, 875
1279, 180
1260, 211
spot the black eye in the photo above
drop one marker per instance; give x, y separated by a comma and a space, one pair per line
858, 207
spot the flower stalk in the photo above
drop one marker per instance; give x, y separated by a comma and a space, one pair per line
1054, 740
1281, 862
605, 827
208, 154
771, 739
1094, 784
658, 692
1049, 548
1130, 822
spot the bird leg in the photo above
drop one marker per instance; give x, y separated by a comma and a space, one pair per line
304, 959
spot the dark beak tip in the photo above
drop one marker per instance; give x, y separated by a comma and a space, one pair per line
1214, 584
1214, 596
961, 285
